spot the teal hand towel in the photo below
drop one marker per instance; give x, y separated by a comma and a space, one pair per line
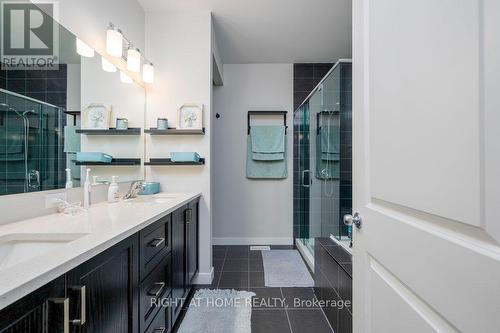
71, 139
265, 169
268, 143
330, 139
327, 164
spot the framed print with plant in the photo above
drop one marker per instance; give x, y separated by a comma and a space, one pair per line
96, 116
191, 116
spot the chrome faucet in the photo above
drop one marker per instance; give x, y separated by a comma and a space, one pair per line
134, 190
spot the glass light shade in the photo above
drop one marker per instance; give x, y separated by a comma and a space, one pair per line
107, 66
148, 73
125, 78
83, 49
133, 60
114, 42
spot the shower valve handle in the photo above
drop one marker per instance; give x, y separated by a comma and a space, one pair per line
353, 219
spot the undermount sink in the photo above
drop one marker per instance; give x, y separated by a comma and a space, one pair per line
17, 248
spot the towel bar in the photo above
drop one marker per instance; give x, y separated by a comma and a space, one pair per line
266, 113
324, 113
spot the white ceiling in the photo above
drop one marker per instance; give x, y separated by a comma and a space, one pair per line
274, 31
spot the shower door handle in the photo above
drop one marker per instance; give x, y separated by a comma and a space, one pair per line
308, 184
34, 180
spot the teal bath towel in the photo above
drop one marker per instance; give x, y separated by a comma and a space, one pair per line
328, 153
268, 143
265, 169
330, 139
71, 139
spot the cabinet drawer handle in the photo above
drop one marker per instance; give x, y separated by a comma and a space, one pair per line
159, 330
156, 242
188, 215
157, 289
65, 303
83, 306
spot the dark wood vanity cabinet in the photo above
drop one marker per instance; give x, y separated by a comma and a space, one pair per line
36, 312
179, 286
103, 290
191, 242
184, 253
138, 285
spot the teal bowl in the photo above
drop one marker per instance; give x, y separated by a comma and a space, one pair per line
150, 188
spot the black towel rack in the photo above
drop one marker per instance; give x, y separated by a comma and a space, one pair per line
324, 113
266, 113
74, 114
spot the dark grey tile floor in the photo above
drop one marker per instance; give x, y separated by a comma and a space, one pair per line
275, 310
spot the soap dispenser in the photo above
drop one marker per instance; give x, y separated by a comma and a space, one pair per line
113, 194
69, 182
87, 188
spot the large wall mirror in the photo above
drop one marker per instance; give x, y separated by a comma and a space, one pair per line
48, 115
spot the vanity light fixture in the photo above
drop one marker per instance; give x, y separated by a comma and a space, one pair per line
83, 49
133, 59
148, 72
114, 41
107, 66
125, 78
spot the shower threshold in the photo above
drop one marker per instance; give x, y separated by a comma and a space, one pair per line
345, 242
306, 252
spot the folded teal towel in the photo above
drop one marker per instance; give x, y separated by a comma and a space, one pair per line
268, 143
265, 169
327, 164
330, 156
71, 139
330, 139
268, 156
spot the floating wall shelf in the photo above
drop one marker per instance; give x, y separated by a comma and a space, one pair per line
168, 161
175, 131
111, 131
114, 162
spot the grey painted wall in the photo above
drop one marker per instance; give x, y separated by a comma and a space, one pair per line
250, 211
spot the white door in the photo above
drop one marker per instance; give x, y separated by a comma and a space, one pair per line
426, 117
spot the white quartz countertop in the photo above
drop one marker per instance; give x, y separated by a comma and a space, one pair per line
98, 228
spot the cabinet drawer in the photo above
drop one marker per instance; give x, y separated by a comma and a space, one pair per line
161, 323
155, 287
155, 243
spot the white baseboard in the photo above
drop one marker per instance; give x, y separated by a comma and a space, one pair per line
204, 277
252, 241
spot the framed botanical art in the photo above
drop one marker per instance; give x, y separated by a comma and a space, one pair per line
190, 116
96, 116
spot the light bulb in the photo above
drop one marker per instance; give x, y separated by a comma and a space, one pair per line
107, 66
125, 78
133, 60
114, 42
148, 73
83, 49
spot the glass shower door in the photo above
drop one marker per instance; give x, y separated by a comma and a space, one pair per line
31, 146
323, 162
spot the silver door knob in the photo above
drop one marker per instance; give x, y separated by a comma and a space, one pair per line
353, 219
